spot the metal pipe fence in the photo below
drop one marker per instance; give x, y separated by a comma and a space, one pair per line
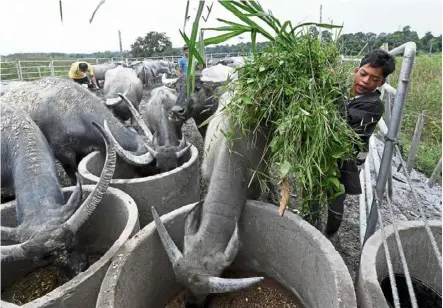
370, 216
34, 69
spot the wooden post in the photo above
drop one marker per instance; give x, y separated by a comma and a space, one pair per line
436, 172
415, 141
120, 41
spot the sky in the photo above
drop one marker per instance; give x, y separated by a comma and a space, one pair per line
35, 26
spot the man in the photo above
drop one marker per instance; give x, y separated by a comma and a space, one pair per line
78, 73
183, 62
362, 108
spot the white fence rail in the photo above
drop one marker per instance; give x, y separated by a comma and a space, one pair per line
34, 69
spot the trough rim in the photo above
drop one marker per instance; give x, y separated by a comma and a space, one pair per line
69, 287
368, 280
341, 274
91, 177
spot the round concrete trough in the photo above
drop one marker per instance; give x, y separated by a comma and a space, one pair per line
166, 191
114, 221
420, 257
286, 249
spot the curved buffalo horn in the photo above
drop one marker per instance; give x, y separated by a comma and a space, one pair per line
116, 100
224, 285
8, 234
14, 252
173, 252
75, 199
136, 116
81, 215
153, 152
137, 160
183, 151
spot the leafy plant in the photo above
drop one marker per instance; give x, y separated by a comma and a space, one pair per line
292, 89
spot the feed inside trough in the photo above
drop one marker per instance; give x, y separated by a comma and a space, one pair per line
39, 283
425, 295
268, 293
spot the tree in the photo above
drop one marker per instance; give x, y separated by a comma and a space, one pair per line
153, 44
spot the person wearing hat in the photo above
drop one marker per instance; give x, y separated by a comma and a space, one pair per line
78, 73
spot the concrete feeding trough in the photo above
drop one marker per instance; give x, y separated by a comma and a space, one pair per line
287, 249
166, 191
424, 268
114, 221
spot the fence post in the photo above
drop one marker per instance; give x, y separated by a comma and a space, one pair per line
52, 69
415, 141
408, 49
436, 172
20, 70
39, 73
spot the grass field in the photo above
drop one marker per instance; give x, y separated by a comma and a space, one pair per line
425, 93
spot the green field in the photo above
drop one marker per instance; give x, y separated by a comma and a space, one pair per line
425, 93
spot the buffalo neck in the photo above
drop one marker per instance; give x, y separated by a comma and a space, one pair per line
35, 177
226, 197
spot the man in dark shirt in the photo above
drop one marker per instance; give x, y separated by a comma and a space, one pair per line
362, 108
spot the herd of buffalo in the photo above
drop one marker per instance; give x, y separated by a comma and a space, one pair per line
54, 118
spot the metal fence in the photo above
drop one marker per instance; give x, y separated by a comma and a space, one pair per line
370, 200
34, 69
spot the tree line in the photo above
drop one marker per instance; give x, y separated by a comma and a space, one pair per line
159, 44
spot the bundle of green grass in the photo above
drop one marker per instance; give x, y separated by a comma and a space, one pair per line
293, 88
295, 94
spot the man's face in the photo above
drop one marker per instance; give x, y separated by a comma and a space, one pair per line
186, 52
367, 79
84, 70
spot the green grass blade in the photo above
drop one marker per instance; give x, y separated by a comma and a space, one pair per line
186, 16
254, 40
195, 52
325, 26
61, 10
241, 16
232, 23
223, 37
96, 9
192, 49
228, 28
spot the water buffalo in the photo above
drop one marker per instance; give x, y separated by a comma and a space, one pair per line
122, 80
64, 111
211, 240
204, 101
168, 144
46, 223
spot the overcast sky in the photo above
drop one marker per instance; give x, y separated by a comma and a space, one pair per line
35, 26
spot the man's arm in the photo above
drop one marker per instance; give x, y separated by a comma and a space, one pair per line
91, 74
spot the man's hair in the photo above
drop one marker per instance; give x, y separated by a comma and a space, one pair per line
83, 66
185, 48
380, 58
